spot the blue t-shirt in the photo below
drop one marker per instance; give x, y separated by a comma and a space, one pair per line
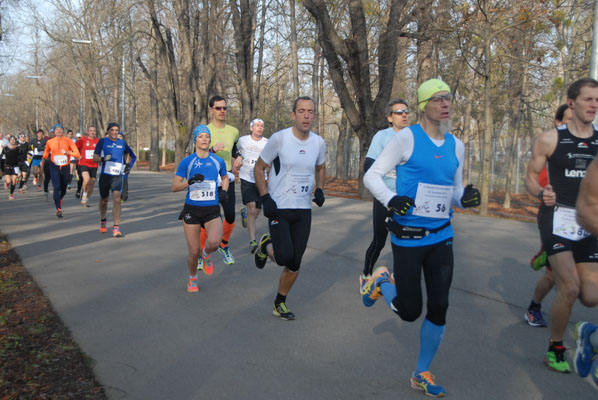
429, 164
202, 193
117, 150
378, 144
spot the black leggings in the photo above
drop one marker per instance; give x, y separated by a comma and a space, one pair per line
437, 263
229, 207
379, 214
290, 233
60, 177
47, 176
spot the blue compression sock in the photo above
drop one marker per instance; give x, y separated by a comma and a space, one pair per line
430, 337
389, 291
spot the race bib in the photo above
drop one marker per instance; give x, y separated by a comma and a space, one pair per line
112, 168
61, 160
203, 191
17, 170
298, 185
433, 201
565, 225
88, 154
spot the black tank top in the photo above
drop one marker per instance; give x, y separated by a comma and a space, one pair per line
567, 164
39, 145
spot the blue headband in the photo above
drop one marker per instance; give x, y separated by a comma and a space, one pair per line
58, 126
200, 129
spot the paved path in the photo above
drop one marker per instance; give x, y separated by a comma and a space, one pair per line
126, 304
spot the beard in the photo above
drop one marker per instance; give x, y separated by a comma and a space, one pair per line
446, 125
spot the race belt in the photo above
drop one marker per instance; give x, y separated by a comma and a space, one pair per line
412, 232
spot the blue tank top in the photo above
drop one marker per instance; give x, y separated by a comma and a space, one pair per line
431, 164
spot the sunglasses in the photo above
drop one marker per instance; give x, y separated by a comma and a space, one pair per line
439, 97
220, 108
400, 112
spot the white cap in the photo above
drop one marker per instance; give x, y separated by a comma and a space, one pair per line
254, 121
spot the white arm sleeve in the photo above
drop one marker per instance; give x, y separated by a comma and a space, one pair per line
397, 151
458, 185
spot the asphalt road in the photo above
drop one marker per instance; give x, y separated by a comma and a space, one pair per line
126, 304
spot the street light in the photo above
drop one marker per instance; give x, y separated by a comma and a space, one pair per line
81, 41
37, 78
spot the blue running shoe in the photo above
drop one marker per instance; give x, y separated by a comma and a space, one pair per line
425, 381
244, 216
227, 257
371, 289
584, 351
535, 318
595, 372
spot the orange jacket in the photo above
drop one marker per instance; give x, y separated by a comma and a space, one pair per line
62, 148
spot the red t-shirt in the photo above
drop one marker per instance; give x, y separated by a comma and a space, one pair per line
86, 147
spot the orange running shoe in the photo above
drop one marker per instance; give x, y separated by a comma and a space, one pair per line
103, 226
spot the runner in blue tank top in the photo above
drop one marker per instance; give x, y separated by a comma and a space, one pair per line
429, 166
199, 174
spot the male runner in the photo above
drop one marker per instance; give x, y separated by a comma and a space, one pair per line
224, 144
61, 149
46, 165
586, 333
11, 153
117, 158
87, 166
572, 251
250, 147
533, 315
37, 148
397, 115
429, 166
295, 153
73, 161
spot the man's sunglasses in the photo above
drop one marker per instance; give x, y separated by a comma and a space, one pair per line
439, 97
220, 108
400, 112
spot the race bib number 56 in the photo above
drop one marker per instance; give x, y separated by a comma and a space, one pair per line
433, 201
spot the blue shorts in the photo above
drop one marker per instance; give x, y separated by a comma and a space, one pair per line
36, 162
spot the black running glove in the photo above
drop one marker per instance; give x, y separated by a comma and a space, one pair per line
400, 204
319, 197
471, 197
127, 169
222, 195
195, 178
269, 206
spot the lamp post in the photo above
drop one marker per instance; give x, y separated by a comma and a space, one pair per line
81, 41
37, 78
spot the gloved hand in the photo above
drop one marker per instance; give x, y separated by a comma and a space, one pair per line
319, 197
106, 158
222, 195
471, 197
400, 204
195, 178
127, 169
269, 206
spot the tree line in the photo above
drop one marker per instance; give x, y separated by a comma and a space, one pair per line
158, 62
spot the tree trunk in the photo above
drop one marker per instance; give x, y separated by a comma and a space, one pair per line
294, 57
154, 159
488, 131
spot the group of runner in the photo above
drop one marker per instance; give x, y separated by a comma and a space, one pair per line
57, 158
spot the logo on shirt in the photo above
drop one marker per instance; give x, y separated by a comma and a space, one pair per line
582, 145
573, 173
558, 246
566, 141
437, 157
302, 151
187, 217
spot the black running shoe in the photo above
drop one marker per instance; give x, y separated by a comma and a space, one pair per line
261, 253
281, 310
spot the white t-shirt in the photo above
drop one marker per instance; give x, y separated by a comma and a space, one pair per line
250, 150
293, 162
3, 143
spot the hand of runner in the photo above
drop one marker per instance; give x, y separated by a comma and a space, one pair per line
471, 197
106, 158
195, 178
127, 169
548, 196
400, 204
222, 196
319, 197
269, 206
